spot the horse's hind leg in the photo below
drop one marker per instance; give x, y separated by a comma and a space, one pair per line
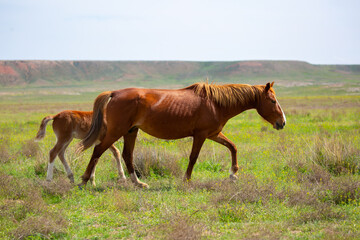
220, 138
196, 147
117, 156
92, 177
98, 151
69, 173
129, 144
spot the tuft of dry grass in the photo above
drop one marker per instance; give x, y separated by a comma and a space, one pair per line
5, 155
310, 172
247, 190
151, 161
320, 212
43, 226
301, 197
58, 187
181, 227
22, 197
30, 148
336, 155
343, 190
122, 202
23, 204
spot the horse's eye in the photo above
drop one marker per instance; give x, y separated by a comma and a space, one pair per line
273, 101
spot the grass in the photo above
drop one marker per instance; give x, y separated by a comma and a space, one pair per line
299, 183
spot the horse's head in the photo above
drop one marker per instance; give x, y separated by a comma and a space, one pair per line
269, 108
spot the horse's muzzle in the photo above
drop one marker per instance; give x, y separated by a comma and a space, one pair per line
279, 126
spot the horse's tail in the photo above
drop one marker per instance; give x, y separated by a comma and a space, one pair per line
97, 122
42, 130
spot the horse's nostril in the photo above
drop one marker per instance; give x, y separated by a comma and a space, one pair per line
284, 124
279, 125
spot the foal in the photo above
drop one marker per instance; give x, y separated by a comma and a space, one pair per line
68, 125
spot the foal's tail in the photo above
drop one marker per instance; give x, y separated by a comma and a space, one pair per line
42, 130
97, 122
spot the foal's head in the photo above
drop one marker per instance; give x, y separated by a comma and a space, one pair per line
269, 108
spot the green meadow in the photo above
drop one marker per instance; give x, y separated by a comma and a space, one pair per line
302, 182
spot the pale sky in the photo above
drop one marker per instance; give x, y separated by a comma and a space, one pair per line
316, 31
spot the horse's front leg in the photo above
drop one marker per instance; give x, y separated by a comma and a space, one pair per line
117, 157
220, 138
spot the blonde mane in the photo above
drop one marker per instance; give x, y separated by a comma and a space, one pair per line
227, 95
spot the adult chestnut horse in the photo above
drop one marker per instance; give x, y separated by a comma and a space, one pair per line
68, 125
200, 110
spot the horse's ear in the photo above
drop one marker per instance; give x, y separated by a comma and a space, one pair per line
267, 87
272, 84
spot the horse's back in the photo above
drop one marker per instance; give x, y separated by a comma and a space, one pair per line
167, 114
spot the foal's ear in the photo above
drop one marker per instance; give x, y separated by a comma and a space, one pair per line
272, 84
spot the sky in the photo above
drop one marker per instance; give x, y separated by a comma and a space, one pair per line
315, 31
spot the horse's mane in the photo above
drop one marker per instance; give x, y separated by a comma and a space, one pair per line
227, 95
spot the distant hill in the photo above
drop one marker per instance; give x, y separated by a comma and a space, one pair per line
15, 73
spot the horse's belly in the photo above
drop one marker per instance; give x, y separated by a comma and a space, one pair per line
167, 130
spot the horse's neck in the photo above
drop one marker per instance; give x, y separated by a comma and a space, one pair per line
232, 111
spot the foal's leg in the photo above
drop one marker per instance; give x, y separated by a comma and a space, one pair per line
220, 138
117, 156
69, 173
129, 144
196, 147
53, 153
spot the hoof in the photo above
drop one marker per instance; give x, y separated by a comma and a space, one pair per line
233, 177
142, 185
71, 178
81, 186
122, 180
